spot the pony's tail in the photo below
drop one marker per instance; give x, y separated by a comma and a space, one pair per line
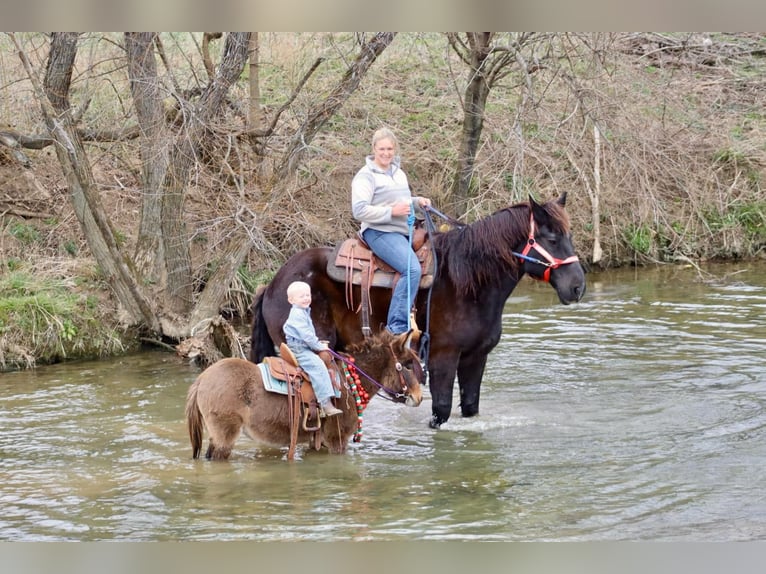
194, 420
261, 344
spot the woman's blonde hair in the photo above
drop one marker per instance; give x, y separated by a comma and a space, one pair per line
385, 134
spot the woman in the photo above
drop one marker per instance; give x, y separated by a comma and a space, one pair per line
381, 200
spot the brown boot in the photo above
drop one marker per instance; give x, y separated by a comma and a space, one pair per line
329, 409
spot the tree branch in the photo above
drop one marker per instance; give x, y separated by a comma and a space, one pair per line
320, 113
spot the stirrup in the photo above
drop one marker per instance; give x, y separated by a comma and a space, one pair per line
413, 323
306, 413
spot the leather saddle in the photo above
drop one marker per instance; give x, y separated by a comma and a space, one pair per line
286, 368
352, 262
300, 394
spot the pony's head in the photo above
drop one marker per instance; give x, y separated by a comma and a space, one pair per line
397, 366
548, 254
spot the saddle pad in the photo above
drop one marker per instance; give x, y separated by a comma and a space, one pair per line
274, 385
352, 253
270, 383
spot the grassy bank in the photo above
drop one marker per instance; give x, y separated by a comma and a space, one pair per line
46, 320
657, 138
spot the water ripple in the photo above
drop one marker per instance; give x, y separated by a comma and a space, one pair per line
638, 414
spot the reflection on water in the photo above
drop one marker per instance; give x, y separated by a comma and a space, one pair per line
636, 414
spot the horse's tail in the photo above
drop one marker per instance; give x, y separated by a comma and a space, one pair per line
194, 420
261, 344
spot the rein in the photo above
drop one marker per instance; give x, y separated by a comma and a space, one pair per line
550, 261
349, 360
447, 218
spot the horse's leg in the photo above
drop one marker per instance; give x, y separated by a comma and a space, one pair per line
441, 373
469, 374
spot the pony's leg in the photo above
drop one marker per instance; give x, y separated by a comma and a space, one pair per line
214, 453
469, 374
441, 373
224, 432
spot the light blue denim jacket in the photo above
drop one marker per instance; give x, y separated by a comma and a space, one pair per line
299, 329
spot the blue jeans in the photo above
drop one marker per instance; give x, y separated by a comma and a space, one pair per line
394, 249
316, 370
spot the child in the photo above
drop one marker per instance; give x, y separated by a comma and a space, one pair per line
302, 340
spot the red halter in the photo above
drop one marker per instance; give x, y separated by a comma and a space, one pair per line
550, 261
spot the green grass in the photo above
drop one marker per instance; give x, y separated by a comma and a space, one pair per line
24, 232
50, 321
639, 238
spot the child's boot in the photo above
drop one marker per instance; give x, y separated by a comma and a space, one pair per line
329, 409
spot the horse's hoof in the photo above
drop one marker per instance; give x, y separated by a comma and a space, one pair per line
435, 423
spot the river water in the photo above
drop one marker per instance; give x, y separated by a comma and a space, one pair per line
637, 414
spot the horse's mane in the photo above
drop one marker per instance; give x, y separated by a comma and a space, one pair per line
481, 253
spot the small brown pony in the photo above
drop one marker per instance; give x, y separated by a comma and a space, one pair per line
229, 396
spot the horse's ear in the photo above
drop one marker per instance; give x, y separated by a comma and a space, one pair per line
562, 200
538, 211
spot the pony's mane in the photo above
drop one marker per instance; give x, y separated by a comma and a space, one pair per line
370, 344
482, 253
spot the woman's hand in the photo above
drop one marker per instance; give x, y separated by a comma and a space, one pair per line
404, 207
401, 208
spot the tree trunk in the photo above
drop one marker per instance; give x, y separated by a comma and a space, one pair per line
255, 113
54, 100
218, 284
179, 294
318, 115
476, 95
145, 89
475, 101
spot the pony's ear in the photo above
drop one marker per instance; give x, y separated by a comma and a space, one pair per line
562, 200
411, 335
405, 339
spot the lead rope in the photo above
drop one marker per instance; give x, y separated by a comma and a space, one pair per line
425, 336
424, 346
411, 226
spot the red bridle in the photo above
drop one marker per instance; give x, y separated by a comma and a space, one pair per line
550, 261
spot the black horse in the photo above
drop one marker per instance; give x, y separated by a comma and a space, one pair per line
478, 266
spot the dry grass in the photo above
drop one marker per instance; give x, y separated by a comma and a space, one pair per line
681, 158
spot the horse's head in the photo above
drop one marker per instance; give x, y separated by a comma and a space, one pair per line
397, 367
548, 254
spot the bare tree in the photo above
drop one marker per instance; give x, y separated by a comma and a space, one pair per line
147, 100
488, 62
156, 284
53, 96
320, 113
255, 112
166, 166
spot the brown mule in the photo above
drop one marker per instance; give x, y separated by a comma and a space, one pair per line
229, 397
